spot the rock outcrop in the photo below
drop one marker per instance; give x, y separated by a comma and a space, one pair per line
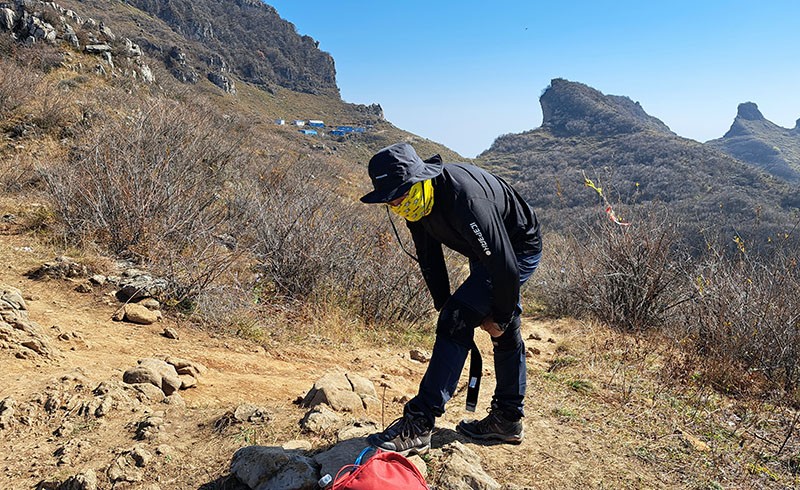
18, 333
754, 139
571, 108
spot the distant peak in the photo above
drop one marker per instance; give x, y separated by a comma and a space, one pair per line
749, 111
572, 108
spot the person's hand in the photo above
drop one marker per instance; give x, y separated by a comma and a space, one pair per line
491, 327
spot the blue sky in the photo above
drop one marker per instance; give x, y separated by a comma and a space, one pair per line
463, 73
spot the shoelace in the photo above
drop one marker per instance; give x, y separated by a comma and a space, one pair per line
492, 418
404, 426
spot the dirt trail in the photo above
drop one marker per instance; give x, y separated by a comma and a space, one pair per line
239, 372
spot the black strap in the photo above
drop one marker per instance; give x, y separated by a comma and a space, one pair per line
475, 372
397, 235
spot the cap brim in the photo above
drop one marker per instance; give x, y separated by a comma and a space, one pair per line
380, 196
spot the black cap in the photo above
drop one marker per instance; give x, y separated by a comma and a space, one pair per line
394, 169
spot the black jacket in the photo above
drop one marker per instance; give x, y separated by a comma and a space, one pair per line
482, 217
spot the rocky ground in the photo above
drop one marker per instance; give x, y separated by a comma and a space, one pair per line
149, 401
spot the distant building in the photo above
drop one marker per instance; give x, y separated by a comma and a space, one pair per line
359, 130
316, 123
299, 122
308, 131
338, 132
346, 129
280, 122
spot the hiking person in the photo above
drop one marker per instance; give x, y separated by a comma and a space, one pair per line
480, 216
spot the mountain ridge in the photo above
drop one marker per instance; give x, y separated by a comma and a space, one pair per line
752, 138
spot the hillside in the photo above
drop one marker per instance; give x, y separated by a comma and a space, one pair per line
755, 140
192, 297
638, 161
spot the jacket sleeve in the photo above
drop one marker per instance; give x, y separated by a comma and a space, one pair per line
482, 226
431, 263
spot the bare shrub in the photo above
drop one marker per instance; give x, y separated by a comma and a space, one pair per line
16, 86
745, 320
628, 277
149, 185
314, 245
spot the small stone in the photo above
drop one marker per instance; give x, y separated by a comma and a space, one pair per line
84, 287
534, 336
141, 456
532, 351
551, 340
170, 333
98, 279
420, 356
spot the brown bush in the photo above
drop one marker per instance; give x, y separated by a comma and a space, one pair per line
744, 320
16, 86
628, 277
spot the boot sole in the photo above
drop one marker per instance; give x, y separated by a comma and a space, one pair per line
493, 436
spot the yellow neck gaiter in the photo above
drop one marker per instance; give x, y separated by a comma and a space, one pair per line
418, 202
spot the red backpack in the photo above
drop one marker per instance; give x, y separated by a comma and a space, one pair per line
383, 471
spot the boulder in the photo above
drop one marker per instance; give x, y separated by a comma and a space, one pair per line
156, 372
97, 48
61, 267
138, 287
17, 332
343, 392
136, 313
86, 480
223, 82
7, 412
461, 469
321, 420
274, 468
8, 18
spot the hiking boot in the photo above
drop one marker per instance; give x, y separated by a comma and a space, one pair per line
406, 435
493, 427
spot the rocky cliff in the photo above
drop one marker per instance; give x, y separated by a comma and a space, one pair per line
636, 158
212, 39
754, 139
575, 109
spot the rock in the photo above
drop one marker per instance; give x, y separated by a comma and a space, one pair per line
105, 407
156, 372
149, 427
184, 366
7, 412
341, 454
342, 392
417, 461
170, 333
98, 279
17, 332
123, 469
38, 29
149, 392
149, 303
136, 287
223, 82
86, 480
146, 73
187, 381
358, 429
84, 287
532, 351
321, 420
176, 400
419, 355
461, 469
141, 456
297, 444
62, 267
273, 468
8, 18
534, 336
97, 48
136, 313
